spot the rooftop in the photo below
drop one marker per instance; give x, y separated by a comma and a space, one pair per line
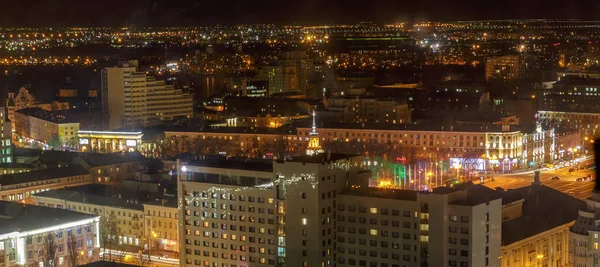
51, 116
321, 158
437, 127
475, 194
41, 175
107, 264
398, 194
105, 195
19, 217
544, 208
234, 163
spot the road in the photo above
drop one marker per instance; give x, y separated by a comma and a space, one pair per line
134, 258
566, 184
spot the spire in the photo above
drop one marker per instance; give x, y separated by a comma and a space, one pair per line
314, 145
314, 125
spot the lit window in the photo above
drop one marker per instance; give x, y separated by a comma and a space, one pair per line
373, 232
595, 245
304, 221
373, 210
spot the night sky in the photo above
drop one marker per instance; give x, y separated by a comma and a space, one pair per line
207, 12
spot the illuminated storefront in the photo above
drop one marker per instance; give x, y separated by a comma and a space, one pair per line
108, 141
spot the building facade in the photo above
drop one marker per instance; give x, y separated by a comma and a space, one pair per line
301, 212
22, 187
130, 98
503, 68
109, 141
46, 127
162, 225
6, 148
25, 227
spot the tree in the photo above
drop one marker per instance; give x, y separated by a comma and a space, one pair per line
108, 232
72, 248
49, 250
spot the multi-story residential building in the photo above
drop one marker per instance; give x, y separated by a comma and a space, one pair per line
130, 98
535, 226
302, 212
24, 227
503, 68
6, 150
573, 93
22, 186
584, 235
288, 74
505, 146
24, 99
371, 110
586, 123
539, 146
445, 227
253, 213
48, 127
162, 224
107, 202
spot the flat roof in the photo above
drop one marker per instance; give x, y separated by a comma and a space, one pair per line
41, 175
321, 158
16, 217
106, 195
229, 163
59, 116
544, 208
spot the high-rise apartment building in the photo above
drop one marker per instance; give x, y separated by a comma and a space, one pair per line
130, 98
288, 74
309, 211
6, 150
503, 68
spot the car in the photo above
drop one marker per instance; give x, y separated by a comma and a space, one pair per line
579, 180
555, 178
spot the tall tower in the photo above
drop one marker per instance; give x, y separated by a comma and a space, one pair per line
314, 145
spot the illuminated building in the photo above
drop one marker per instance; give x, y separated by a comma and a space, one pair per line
585, 122
256, 89
162, 225
288, 74
370, 110
49, 127
314, 146
6, 150
24, 228
504, 146
21, 186
125, 205
584, 235
301, 212
535, 226
109, 141
445, 227
250, 213
130, 98
573, 93
503, 68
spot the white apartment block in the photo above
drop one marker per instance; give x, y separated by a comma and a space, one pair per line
130, 98
393, 228
303, 212
24, 227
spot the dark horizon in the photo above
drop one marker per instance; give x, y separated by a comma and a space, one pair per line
209, 12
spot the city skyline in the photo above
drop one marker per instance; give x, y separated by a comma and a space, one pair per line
194, 12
